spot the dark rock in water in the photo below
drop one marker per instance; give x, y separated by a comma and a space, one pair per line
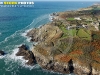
23, 47
2, 52
33, 44
32, 40
27, 55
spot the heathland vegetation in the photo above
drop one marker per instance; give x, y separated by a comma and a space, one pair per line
72, 36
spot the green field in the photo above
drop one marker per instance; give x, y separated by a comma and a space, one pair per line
70, 19
81, 33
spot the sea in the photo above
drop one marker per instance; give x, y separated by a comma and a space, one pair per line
15, 22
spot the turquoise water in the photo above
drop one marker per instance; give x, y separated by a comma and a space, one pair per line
15, 23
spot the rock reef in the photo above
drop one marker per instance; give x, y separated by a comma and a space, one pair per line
27, 55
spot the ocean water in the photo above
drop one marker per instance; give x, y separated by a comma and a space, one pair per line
16, 22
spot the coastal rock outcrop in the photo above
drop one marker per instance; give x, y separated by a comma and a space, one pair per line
67, 45
50, 54
70, 66
45, 33
27, 55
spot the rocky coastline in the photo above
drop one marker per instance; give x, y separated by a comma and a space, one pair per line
27, 55
52, 39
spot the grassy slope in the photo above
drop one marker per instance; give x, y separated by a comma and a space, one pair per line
83, 34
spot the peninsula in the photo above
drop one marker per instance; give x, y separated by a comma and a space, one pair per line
70, 43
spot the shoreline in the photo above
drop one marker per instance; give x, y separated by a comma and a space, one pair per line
51, 36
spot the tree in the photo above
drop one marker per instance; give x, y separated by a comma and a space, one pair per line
99, 26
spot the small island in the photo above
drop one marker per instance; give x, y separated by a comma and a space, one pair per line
70, 43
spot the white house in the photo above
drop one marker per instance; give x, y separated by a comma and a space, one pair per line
77, 18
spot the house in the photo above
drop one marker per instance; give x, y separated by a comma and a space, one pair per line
77, 18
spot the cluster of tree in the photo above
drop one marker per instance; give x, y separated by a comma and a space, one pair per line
95, 35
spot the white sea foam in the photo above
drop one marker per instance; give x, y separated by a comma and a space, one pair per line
35, 21
16, 33
11, 58
28, 39
16, 46
19, 59
30, 67
48, 71
50, 17
14, 57
25, 33
40, 26
1, 57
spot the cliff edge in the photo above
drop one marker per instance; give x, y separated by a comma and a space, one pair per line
70, 43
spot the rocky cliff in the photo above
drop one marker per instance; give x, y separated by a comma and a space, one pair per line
67, 51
